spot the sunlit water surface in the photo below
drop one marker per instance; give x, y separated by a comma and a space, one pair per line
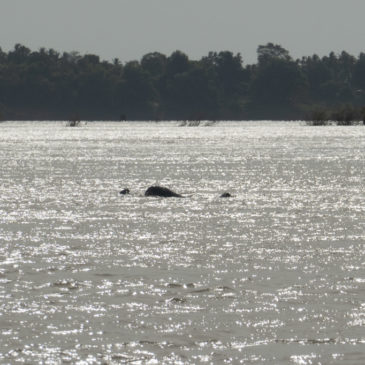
273, 275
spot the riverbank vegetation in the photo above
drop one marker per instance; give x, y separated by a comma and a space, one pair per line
343, 115
45, 84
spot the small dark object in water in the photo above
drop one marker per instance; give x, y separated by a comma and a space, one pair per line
74, 121
124, 192
161, 191
226, 195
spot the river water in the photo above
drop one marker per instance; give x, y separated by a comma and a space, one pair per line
273, 275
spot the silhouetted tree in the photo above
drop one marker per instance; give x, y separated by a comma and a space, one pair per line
279, 83
154, 63
270, 52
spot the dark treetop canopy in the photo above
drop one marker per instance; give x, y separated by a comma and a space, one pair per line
45, 84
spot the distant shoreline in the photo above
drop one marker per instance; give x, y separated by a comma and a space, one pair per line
47, 85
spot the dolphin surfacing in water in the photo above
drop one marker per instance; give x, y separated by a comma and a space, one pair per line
161, 191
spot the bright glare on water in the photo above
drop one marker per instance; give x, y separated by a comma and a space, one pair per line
273, 275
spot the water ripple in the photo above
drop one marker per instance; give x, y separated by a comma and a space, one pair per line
273, 275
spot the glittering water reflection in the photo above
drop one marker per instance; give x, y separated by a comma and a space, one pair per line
273, 275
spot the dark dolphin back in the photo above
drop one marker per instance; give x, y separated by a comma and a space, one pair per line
161, 191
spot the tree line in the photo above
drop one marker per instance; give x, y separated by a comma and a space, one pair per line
48, 85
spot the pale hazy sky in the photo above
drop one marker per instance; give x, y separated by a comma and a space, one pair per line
128, 29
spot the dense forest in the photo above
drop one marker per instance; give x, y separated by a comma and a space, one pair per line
44, 84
